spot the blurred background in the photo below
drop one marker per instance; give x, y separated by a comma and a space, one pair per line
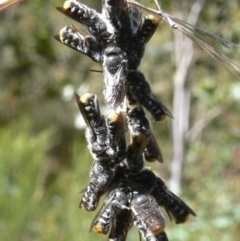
44, 161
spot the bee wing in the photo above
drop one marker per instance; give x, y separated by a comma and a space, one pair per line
136, 15
82, 110
155, 22
118, 119
146, 207
114, 91
120, 127
150, 214
83, 190
180, 202
69, 14
100, 212
152, 152
155, 221
163, 107
7, 3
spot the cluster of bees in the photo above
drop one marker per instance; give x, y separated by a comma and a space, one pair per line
117, 38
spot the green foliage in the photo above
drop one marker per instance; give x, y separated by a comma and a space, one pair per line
29, 208
21, 155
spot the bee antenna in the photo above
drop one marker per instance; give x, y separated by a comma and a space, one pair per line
96, 71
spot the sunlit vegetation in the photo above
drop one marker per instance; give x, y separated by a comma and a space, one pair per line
44, 161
